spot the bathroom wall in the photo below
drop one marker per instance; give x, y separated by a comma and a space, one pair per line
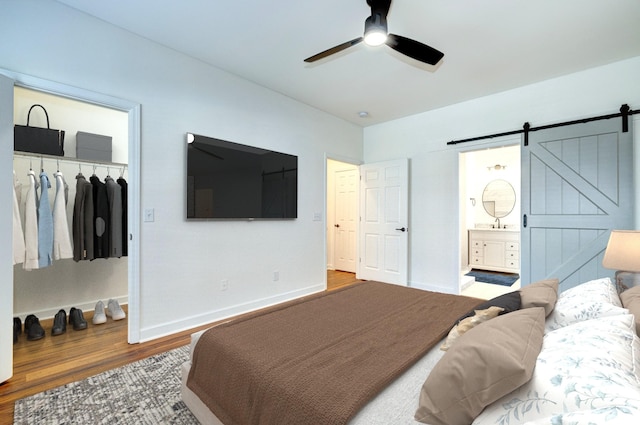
481, 169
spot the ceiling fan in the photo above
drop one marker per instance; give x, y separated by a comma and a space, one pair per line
375, 34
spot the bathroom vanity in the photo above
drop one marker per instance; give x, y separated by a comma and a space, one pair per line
494, 249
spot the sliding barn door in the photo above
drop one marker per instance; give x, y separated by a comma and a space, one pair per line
577, 186
384, 192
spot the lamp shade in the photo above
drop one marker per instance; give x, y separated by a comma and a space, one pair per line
623, 251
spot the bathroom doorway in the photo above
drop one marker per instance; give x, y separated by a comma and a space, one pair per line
490, 216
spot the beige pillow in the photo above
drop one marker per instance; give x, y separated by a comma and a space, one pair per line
490, 361
543, 293
481, 316
631, 301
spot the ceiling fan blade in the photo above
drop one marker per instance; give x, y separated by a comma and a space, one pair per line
414, 49
334, 50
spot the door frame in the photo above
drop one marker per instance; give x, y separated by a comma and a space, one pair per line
463, 199
347, 160
333, 249
133, 171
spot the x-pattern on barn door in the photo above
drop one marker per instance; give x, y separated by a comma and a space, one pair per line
577, 186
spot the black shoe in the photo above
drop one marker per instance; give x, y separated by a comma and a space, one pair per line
17, 328
59, 323
77, 319
32, 328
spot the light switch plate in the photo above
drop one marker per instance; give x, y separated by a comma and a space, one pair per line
149, 215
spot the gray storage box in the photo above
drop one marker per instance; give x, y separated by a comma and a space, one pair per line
93, 146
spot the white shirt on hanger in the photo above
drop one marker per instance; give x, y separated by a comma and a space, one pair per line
31, 224
18, 234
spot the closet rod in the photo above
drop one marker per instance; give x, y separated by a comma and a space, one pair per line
70, 160
625, 111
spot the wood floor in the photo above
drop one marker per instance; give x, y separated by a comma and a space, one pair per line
75, 355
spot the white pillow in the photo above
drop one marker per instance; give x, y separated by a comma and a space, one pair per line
589, 300
588, 366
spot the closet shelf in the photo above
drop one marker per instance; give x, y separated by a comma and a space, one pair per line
69, 159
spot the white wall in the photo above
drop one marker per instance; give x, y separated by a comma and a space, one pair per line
435, 204
182, 263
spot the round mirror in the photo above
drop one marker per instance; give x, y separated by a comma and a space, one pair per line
498, 198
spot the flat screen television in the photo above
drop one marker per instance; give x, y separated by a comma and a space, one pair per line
227, 180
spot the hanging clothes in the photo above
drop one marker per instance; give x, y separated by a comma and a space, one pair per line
114, 196
18, 234
101, 224
83, 220
61, 240
45, 224
31, 223
125, 230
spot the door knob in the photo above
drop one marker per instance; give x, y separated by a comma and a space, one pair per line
336, 225
402, 229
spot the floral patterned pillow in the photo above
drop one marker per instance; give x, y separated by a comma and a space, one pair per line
589, 300
608, 416
585, 373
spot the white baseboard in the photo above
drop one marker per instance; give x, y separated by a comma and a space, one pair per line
169, 328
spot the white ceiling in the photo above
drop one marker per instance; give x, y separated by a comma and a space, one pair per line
490, 45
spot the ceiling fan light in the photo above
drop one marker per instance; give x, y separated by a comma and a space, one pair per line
375, 37
375, 30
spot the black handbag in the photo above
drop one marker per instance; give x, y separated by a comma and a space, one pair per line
38, 140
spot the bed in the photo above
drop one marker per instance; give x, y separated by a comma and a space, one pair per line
531, 356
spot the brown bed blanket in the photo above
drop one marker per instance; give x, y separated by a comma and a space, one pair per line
319, 359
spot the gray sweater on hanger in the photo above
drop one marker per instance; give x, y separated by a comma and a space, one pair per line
114, 194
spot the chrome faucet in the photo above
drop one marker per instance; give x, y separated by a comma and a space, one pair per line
498, 220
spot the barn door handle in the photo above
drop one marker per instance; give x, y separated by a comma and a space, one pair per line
524, 220
402, 229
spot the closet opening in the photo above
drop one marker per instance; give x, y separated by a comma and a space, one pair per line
69, 282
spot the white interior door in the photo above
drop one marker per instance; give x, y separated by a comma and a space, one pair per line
6, 221
346, 219
384, 218
577, 185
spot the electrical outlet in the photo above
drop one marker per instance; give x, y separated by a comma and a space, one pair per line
276, 275
224, 284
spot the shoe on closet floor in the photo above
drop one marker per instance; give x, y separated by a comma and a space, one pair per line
17, 328
33, 328
114, 310
99, 317
76, 319
59, 323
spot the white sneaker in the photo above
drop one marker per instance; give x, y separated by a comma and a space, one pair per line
98, 315
114, 310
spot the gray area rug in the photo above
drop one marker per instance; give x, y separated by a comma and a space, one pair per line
144, 392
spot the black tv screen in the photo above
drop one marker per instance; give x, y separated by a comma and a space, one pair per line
227, 180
